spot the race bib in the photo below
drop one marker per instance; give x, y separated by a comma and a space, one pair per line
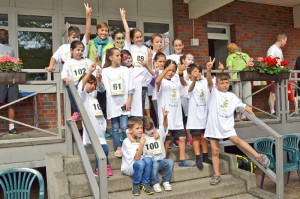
78, 71
152, 146
96, 107
138, 57
117, 86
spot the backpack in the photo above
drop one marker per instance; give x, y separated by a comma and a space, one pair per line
245, 163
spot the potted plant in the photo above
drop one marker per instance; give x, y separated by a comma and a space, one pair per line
268, 68
10, 71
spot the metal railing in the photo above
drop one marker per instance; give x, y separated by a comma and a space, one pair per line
99, 191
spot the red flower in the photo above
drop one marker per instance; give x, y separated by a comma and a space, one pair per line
283, 63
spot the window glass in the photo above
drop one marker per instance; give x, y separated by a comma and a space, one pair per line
216, 30
3, 19
35, 49
79, 21
34, 21
118, 25
156, 28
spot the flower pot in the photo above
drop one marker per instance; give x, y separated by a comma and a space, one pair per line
13, 77
256, 76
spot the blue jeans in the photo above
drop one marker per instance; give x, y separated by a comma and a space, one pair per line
166, 166
116, 123
105, 149
73, 104
142, 171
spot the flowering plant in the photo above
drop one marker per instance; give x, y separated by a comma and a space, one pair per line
10, 64
268, 65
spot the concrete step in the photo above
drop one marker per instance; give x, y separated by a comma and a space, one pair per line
78, 184
239, 196
73, 164
193, 189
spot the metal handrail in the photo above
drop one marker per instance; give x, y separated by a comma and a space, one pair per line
99, 191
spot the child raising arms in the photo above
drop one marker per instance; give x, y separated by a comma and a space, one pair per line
220, 120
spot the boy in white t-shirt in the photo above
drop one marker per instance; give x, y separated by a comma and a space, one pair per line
198, 95
133, 163
62, 54
220, 120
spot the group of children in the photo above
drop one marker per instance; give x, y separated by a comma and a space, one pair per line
134, 79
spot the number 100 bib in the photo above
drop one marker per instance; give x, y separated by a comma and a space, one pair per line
152, 146
117, 86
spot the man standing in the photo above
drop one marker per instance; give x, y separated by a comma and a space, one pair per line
8, 93
275, 51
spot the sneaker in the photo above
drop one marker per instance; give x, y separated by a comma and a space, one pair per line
199, 163
264, 161
96, 173
76, 116
167, 186
14, 132
109, 171
147, 189
118, 153
215, 180
175, 143
157, 188
136, 190
184, 163
190, 142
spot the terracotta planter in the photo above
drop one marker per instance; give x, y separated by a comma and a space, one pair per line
256, 76
13, 77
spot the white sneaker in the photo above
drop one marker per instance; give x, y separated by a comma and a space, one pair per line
167, 186
157, 188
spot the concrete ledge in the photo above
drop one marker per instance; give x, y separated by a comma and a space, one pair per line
262, 193
61, 185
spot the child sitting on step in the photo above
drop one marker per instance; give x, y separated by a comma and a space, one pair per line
220, 120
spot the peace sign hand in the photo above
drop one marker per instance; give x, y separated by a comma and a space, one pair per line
210, 64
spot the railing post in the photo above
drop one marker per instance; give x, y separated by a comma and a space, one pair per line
279, 168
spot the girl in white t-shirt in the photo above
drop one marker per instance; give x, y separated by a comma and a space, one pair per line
86, 86
177, 46
119, 90
169, 96
73, 69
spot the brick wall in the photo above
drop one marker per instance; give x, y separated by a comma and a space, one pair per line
254, 28
46, 109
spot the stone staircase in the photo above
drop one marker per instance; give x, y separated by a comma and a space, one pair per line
67, 179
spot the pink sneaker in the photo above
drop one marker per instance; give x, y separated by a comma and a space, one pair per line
96, 173
76, 116
190, 142
109, 171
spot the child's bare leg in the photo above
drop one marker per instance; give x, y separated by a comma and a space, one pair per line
215, 150
181, 145
244, 145
167, 144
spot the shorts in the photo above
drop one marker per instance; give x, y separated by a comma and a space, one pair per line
219, 139
175, 134
9, 93
272, 88
197, 131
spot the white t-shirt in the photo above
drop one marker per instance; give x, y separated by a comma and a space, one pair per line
63, 53
220, 120
6, 50
275, 51
169, 96
128, 152
162, 133
117, 83
73, 69
99, 122
140, 77
197, 102
138, 53
175, 58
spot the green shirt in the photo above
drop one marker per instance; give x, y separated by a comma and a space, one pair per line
92, 48
237, 61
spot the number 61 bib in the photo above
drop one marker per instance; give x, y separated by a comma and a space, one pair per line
117, 86
152, 146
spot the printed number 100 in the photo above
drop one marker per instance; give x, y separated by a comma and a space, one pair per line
152, 146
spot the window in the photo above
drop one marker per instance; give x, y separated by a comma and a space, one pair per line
34, 40
3, 19
118, 25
